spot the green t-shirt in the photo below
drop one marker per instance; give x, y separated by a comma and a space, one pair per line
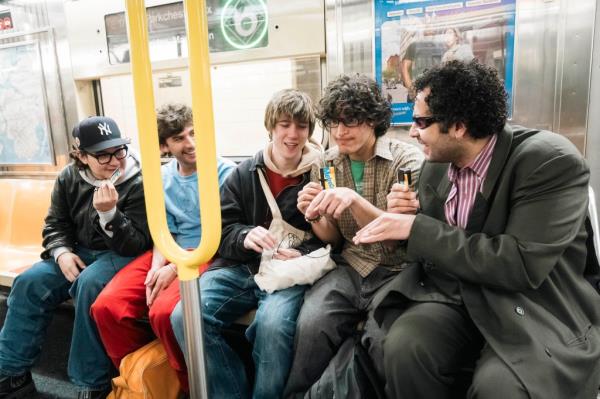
358, 171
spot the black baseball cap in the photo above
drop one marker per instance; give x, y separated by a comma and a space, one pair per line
98, 133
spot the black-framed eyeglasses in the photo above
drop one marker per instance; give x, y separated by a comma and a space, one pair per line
105, 157
348, 122
423, 122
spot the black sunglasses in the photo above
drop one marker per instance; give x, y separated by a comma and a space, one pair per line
104, 157
423, 122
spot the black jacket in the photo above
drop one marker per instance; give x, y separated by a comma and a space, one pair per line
73, 221
244, 206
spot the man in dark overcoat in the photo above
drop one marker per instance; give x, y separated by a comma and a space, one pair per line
499, 247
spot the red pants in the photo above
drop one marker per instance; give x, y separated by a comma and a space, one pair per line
120, 306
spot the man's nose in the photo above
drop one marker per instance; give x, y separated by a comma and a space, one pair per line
295, 131
342, 128
190, 141
413, 131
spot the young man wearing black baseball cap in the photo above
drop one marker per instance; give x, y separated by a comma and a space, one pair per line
96, 224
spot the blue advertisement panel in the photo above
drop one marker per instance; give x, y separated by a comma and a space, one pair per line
411, 36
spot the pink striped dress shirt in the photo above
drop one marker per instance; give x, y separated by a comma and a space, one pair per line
466, 182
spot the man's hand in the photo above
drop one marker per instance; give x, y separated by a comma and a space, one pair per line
158, 280
259, 239
402, 200
331, 202
70, 265
388, 226
286, 254
105, 197
307, 194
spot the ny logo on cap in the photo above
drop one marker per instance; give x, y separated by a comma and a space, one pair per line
104, 129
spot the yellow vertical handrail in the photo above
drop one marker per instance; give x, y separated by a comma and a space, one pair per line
197, 32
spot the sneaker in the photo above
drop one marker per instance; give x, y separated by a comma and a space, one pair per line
20, 386
89, 394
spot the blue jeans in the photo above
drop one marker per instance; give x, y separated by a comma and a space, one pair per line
227, 294
34, 296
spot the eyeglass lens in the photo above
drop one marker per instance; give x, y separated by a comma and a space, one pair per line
105, 157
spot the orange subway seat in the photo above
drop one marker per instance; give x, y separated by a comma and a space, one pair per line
24, 206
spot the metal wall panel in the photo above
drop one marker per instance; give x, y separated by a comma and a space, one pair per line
535, 68
349, 37
577, 30
592, 147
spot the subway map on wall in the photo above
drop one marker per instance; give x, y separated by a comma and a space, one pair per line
24, 128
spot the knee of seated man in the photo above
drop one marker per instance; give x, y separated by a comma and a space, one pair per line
493, 379
87, 286
407, 343
102, 308
26, 289
87, 279
275, 325
26, 284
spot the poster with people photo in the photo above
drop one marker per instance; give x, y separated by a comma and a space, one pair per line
411, 36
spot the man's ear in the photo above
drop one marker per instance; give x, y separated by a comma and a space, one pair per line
460, 130
164, 149
82, 157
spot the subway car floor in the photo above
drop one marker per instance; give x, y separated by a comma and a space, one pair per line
50, 371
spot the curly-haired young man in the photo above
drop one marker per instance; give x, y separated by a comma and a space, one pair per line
366, 165
500, 241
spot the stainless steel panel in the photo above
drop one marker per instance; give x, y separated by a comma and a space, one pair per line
349, 37
333, 40
357, 33
576, 64
535, 69
592, 147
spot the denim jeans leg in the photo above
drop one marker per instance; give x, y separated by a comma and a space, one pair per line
89, 365
226, 294
35, 294
272, 334
177, 321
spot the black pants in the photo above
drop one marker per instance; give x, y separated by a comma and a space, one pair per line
426, 347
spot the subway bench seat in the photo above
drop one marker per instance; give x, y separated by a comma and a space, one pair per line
24, 204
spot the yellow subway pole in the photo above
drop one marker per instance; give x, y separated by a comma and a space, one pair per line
187, 261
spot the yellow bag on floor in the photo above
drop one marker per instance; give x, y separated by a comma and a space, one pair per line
146, 374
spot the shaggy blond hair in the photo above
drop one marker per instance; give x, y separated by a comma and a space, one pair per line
293, 104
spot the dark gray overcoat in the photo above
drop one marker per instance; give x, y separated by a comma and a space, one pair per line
518, 266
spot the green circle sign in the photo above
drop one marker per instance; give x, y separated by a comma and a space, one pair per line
244, 23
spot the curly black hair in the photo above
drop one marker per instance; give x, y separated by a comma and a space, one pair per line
471, 93
355, 98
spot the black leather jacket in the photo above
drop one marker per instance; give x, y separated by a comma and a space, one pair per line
72, 220
244, 206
